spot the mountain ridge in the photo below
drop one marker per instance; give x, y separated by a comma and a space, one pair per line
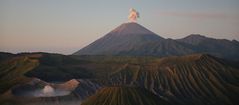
132, 39
124, 96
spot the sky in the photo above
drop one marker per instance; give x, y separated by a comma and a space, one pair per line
65, 26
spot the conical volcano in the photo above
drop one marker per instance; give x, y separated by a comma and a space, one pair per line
131, 39
121, 41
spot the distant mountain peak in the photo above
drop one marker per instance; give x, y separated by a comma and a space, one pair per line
193, 39
196, 36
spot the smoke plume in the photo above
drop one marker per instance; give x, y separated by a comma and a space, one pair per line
133, 15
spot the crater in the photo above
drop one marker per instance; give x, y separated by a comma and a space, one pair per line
39, 88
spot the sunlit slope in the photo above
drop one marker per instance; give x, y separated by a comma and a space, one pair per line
124, 96
194, 79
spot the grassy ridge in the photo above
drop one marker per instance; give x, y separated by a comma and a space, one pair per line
124, 96
13, 70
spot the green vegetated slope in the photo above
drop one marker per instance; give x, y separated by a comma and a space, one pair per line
12, 71
124, 96
56, 67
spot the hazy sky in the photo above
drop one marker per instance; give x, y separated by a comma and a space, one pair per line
65, 26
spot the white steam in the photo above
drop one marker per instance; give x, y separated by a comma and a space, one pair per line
48, 90
133, 15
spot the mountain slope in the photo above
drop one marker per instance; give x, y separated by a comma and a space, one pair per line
12, 71
124, 96
218, 47
188, 80
123, 38
134, 39
197, 79
5, 55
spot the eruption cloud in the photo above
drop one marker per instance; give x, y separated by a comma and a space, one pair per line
133, 15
